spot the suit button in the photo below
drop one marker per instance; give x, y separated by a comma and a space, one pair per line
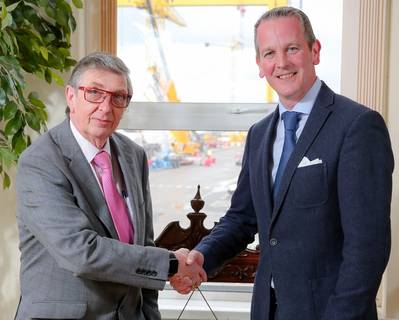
273, 242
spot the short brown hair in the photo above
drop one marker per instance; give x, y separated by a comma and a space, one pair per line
287, 12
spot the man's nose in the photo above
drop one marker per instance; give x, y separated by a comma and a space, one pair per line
281, 60
106, 105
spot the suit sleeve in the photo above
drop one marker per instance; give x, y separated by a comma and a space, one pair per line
364, 183
237, 228
49, 214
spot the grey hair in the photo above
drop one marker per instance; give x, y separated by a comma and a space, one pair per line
100, 60
287, 12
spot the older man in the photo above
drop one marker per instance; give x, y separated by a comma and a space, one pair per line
84, 210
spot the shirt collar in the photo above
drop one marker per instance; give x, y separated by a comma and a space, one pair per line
305, 105
88, 149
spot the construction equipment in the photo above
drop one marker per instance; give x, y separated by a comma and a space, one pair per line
185, 142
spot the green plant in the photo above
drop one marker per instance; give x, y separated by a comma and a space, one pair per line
35, 39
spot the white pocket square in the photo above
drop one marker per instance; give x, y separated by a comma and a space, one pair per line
305, 162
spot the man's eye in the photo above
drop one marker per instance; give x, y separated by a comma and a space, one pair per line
267, 54
292, 49
94, 91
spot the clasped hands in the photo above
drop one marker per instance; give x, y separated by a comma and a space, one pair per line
190, 273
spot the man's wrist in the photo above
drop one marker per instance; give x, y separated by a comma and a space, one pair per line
173, 264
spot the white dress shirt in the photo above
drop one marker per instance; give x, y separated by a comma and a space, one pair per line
90, 151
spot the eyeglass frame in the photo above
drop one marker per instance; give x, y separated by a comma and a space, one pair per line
110, 93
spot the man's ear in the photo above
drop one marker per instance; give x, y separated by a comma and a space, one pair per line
316, 47
70, 97
261, 73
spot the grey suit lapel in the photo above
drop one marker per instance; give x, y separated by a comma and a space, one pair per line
315, 122
83, 174
127, 166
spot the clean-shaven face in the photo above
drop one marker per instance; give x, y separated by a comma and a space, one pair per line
96, 121
285, 59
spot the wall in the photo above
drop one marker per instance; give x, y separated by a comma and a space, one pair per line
354, 44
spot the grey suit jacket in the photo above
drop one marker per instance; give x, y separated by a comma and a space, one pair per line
72, 265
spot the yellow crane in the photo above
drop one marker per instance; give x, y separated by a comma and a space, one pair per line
164, 9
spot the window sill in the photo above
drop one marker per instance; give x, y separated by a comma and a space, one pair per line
228, 301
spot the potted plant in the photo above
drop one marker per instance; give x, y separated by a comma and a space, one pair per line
34, 39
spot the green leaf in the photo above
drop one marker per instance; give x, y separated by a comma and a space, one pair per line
44, 52
10, 110
61, 17
8, 42
58, 80
19, 143
7, 21
72, 23
47, 75
33, 121
13, 125
3, 11
49, 37
69, 63
35, 101
2, 97
78, 4
43, 3
6, 181
12, 6
7, 157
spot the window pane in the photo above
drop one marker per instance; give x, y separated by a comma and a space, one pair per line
181, 160
206, 53
213, 50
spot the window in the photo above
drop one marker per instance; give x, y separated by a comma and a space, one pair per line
199, 82
194, 71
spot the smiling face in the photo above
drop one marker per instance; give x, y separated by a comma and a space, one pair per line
96, 121
285, 59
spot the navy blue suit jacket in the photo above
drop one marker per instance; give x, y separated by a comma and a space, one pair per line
326, 240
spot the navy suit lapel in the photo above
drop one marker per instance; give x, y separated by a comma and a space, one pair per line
315, 122
83, 174
267, 152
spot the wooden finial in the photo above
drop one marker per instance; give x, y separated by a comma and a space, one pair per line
197, 203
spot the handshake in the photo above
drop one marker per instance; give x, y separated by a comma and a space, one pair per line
190, 273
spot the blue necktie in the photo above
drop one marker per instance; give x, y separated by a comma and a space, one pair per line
290, 119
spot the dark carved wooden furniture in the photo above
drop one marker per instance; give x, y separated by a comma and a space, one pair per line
240, 269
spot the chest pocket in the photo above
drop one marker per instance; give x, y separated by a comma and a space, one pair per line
309, 186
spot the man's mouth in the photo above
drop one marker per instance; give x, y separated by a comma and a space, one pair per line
103, 120
286, 76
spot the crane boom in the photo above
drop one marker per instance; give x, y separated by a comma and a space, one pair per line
176, 3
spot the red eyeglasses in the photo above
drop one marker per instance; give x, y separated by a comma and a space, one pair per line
96, 95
